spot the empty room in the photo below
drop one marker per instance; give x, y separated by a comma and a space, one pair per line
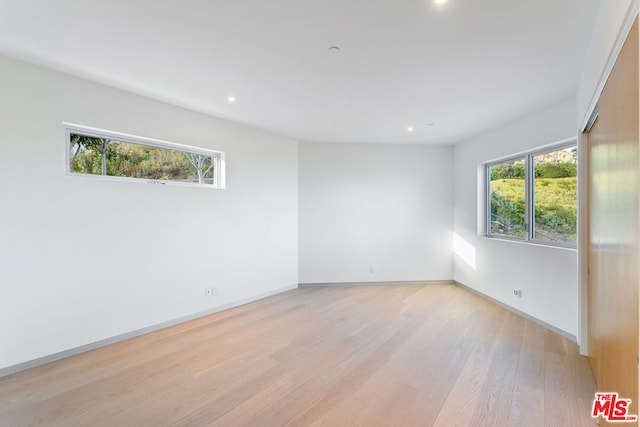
356, 213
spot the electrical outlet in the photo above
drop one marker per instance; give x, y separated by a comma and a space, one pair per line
372, 269
517, 292
208, 292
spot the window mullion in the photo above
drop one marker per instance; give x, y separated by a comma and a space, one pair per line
547, 188
488, 199
529, 195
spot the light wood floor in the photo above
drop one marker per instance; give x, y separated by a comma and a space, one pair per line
370, 356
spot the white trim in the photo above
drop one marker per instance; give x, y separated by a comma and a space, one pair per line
538, 150
10, 370
540, 243
219, 181
87, 130
487, 167
529, 183
342, 284
630, 17
583, 246
453, 283
535, 320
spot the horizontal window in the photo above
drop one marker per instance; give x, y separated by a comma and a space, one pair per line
534, 197
94, 152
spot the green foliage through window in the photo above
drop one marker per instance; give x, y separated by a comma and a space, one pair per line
507, 201
93, 155
555, 196
552, 215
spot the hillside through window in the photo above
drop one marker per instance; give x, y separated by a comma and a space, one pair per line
555, 196
534, 197
508, 198
100, 153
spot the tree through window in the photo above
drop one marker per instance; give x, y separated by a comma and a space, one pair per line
96, 153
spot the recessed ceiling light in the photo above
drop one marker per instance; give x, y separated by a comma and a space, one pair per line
334, 49
231, 99
439, 1
410, 129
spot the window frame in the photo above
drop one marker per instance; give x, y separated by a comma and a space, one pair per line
529, 209
488, 198
217, 156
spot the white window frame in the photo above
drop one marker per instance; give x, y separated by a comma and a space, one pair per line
529, 183
487, 191
217, 156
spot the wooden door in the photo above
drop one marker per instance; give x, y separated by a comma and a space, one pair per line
613, 229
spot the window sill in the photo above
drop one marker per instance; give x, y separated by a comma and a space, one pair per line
531, 243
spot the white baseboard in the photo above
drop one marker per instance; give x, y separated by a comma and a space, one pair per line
535, 320
337, 284
10, 370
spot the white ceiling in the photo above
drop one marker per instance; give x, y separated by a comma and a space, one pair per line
466, 66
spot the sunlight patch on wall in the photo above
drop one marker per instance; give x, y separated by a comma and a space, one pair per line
464, 250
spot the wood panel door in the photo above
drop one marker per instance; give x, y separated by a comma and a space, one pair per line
613, 229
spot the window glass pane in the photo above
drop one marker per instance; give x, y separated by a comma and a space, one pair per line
84, 154
110, 157
554, 195
507, 198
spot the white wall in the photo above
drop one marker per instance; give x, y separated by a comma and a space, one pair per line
83, 260
386, 206
546, 275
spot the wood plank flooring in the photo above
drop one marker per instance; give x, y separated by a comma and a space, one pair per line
403, 355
